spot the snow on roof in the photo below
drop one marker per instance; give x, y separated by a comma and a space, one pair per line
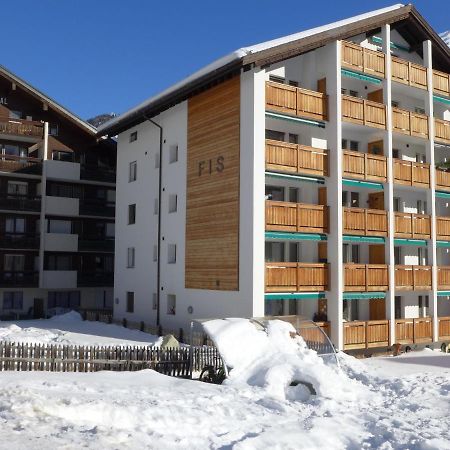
239, 54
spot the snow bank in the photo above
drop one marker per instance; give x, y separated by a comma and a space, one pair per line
71, 316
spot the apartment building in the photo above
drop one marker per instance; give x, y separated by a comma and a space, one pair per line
306, 175
57, 206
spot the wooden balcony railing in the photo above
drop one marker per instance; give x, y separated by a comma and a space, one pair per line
364, 166
444, 328
411, 173
409, 73
296, 277
411, 225
413, 278
296, 217
362, 59
441, 83
363, 112
19, 127
442, 130
296, 101
410, 123
414, 331
443, 228
443, 277
294, 158
12, 163
366, 277
365, 222
442, 180
370, 334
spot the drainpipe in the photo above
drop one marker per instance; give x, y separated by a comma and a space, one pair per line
158, 269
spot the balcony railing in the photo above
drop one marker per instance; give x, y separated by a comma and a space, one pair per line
444, 328
296, 217
19, 127
442, 130
19, 279
19, 241
363, 59
442, 180
97, 174
296, 277
294, 158
364, 166
369, 334
92, 207
409, 73
363, 112
95, 244
414, 331
95, 279
413, 278
443, 228
296, 101
411, 173
410, 123
12, 202
441, 83
412, 226
366, 277
365, 222
19, 164
443, 277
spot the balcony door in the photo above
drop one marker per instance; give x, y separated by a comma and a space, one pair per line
376, 200
376, 254
377, 309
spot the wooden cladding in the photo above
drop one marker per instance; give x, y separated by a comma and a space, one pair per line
409, 73
443, 276
442, 131
296, 277
362, 59
443, 228
411, 173
212, 210
442, 180
363, 112
410, 123
296, 217
413, 277
364, 166
19, 127
444, 328
365, 222
411, 225
294, 158
366, 277
296, 101
414, 331
441, 83
369, 334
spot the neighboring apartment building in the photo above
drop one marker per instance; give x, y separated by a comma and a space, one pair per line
57, 206
296, 176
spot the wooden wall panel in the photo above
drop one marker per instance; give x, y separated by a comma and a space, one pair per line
212, 209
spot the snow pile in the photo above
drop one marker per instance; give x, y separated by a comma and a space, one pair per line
71, 316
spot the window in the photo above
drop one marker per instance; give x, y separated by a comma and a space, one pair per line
275, 193
155, 253
421, 158
132, 171
294, 252
171, 304
173, 154
424, 305
293, 83
131, 214
59, 262
421, 207
398, 307
275, 135
397, 255
65, 299
343, 91
172, 253
293, 138
294, 195
15, 225
133, 136
354, 93
395, 153
397, 204
276, 79
422, 256
344, 144
130, 257
354, 200
350, 310
395, 103
419, 110
154, 302
60, 155
173, 199
15, 114
274, 252
354, 145
17, 188
14, 263
351, 253
59, 226
13, 300
130, 302
53, 130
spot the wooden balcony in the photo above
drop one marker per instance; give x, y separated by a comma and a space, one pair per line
443, 228
364, 166
18, 164
442, 180
409, 73
444, 328
412, 226
363, 112
294, 158
441, 83
296, 217
411, 173
296, 277
370, 334
366, 277
19, 127
410, 123
362, 59
365, 222
296, 101
414, 331
443, 277
411, 278
442, 131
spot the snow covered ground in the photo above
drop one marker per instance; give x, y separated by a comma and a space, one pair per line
377, 403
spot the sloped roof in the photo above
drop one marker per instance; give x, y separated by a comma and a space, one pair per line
405, 17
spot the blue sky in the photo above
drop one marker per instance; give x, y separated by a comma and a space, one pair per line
97, 56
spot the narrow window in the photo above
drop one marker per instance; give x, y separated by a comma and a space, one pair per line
130, 257
130, 302
173, 200
275, 135
395, 103
398, 307
13, 300
171, 304
173, 154
344, 144
354, 146
132, 171
172, 253
293, 138
354, 93
133, 136
131, 214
